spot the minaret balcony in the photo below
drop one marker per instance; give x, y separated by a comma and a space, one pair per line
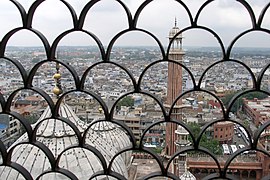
182, 132
182, 143
176, 51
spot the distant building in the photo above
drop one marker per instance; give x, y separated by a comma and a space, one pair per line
132, 118
224, 131
14, 127
3, 130
257, 110
9, 129
29, 100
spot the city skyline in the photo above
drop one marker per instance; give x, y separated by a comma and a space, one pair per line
107, 18
192, 112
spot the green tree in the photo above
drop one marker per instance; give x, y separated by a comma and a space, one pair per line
253, 95
206, 141
195, 129
126, 101
212, 145
226, 99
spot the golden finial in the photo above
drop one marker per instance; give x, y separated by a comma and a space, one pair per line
57, 76
57, 90
100, 110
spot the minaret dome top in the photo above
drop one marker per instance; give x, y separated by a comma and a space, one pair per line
174, 31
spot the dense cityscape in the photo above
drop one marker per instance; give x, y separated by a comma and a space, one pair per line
132, 90
139, 111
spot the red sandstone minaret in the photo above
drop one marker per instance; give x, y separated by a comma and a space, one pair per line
174, 88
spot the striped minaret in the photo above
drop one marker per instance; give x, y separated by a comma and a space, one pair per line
174, 88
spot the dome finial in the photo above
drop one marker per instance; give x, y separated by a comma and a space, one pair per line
175, 22
57, 90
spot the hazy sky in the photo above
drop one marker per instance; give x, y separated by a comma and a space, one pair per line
227, 18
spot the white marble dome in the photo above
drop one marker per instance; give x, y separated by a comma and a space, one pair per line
114, 134
58, 136
187, 176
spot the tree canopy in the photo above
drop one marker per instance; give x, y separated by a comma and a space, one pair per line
126, 101
206, 141
239, 102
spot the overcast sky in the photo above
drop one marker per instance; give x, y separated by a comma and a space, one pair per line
227, 18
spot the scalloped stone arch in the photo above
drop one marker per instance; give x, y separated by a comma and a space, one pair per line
99, 65
261, 78
156, 63
15, 32
140, 16
65, 67
204, 30
18, 66
41, 4
20, 156
122, 33
6, 5
144, 94
202, 91
107, 33
36, 90
62, 100
262, 20
260, 154
51, 175
81, 154
65, 35
262, 36
129, 126
244, 5
212, 66
92, 4
79, 83
69, 68
138, 33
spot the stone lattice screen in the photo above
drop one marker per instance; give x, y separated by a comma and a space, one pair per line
78, 21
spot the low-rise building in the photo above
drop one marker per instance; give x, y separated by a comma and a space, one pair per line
257, 110
224, 131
